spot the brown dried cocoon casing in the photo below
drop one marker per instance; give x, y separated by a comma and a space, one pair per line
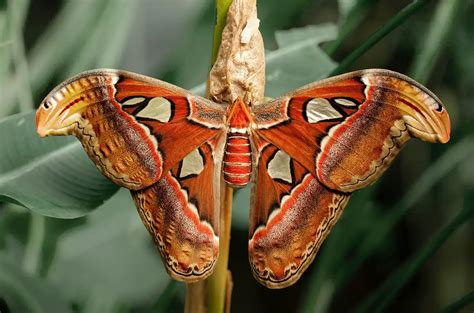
239, 70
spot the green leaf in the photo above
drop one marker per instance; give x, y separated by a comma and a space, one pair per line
112, 255
379, 34
51, 176
456, 307
385, 294
24, 293
298, 60
435, 38
66, 34
116, 33
351, 14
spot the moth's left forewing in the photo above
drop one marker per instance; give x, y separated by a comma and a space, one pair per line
133, 127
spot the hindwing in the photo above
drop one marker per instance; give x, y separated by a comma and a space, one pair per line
291, 215
181, 212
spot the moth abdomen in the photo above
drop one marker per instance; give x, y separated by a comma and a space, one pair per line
237, 159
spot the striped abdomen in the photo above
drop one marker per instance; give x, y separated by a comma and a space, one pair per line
237, 160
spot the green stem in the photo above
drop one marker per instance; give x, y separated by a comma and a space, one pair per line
222, 7
350, 22
17, 10
434, 40
219, 285
213, 294
34, 245
391, 287
459, 304
393, 23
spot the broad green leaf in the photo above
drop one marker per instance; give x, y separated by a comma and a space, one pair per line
116, 33
345, 7
112, 254
51, 176
24, 293
298, 60
316, 34
351, 14
13, 68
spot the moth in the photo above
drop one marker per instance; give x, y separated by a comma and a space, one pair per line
305, 152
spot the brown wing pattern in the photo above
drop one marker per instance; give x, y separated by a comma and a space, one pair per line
133, 127
291, 215
348, 129
158, 141
181, 212
318, 144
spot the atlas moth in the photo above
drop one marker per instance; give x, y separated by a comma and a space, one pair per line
305, 153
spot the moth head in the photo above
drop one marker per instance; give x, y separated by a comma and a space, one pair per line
61, 110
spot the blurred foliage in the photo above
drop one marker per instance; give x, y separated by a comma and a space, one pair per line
405, 244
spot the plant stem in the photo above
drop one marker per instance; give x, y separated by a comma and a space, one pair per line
435, 38
385, 294
213, 294
32, 258
196, 298
222, 7
350, 23
459, 304
218, 281
393, 23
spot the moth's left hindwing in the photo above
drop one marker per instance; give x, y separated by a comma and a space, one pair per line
180, 211
159, 141
318, 144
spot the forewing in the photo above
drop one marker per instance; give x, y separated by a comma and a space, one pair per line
181, 212
133, 127
346, 130
291, 215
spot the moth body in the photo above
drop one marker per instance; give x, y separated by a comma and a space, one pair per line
237, 160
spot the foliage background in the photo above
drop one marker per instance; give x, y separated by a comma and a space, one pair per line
404, 244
